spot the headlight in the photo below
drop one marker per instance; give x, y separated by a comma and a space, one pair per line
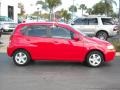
110, 47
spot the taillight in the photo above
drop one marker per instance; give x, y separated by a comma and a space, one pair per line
11, 37
116, 28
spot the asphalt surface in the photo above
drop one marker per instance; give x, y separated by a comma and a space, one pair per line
57, 75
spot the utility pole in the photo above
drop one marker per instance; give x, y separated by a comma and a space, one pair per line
73, 10
119, 14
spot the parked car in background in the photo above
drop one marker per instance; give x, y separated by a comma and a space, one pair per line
99, 26
6, 24
57, 42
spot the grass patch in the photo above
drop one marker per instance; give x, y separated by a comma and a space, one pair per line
116, 44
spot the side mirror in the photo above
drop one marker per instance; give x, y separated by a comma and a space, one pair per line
76, 37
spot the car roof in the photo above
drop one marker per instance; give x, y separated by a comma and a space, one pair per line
44, 23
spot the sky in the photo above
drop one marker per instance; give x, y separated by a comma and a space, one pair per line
30, 5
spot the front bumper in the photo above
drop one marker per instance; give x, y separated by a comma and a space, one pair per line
110, 55
7, 29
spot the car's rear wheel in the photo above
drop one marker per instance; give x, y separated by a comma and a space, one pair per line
95, 59
21, 57
102, 35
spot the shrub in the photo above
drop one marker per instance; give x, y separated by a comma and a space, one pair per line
116, 45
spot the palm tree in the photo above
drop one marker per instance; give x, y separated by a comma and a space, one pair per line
108, 3
83, 7
22, 11
50, 4
73, 8
89, 11
65, 15
43, 4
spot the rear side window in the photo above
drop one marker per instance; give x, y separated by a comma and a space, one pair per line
36, 31
107, 21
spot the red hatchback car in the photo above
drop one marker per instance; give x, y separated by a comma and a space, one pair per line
57, 42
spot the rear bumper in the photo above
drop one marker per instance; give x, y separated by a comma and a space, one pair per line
8, 29
9, 51
114, 33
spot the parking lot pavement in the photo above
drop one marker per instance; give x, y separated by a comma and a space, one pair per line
58, 76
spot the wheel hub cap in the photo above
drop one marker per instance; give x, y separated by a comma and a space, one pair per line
95, 59
20, 58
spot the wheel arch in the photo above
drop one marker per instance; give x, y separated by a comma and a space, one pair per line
21, 49
102, 31
92, 51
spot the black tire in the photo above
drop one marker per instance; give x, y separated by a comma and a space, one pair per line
102, 35
24, 60
94, 59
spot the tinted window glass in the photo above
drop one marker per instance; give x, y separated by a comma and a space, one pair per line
37, 31
107, 21
93, 21
59, 32
81, 21
3, 18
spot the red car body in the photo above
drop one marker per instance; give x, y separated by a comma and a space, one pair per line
58, 49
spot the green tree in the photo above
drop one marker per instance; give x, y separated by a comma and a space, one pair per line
108, 3
89, 11
22, 11
43, 4
65, 15
50, 4
99, 8
73, 8
83, 7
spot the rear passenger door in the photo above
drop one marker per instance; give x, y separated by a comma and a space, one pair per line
37, 38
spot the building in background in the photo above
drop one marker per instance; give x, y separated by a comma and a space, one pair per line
9, 8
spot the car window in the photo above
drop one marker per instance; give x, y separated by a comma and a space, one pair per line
107, 21
93, 21
37, 31
58, 32
81, 21
2, 18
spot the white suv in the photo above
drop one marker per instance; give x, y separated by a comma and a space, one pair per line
101, 27
6, 24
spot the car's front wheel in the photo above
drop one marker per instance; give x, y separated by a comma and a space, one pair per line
95, 59
21, 58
